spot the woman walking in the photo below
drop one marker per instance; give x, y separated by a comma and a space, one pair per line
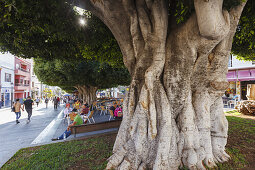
18, 108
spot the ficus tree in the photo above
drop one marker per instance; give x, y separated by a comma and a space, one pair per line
173, 113
84, 75
176, 52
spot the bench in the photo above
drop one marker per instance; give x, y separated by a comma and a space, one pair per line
95, 127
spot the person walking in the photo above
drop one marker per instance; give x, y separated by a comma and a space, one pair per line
28, 106
46, 102
55, 101
18, 109
37, 101
58, 101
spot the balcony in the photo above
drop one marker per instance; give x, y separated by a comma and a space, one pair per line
21, 86
22, 72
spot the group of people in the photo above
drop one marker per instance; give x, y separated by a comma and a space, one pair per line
81, 109
56, 101
117, 111
27, 104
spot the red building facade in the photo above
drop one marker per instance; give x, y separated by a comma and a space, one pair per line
22, 78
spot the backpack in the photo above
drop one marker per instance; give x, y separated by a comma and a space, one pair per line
118, 112
13, 108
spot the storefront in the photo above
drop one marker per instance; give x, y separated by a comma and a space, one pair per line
239, 80
6, 96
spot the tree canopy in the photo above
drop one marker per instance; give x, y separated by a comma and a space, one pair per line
67, 74
51, 30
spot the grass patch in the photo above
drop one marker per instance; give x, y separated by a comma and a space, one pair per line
233, 112
90, 153
93, 153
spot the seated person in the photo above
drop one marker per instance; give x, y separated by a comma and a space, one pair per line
113, 108
84, 110
67, 104
77, 121
86, 104
77, 105
67, 111
74, 110
118, 113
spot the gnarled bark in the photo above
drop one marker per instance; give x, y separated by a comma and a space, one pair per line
89, 94
80, 92
173, 114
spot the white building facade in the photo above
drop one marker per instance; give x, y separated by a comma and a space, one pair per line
7, 61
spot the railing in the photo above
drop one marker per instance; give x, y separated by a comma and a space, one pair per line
20, 84
23, 70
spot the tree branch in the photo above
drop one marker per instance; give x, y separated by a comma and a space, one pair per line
213, 22
110, 12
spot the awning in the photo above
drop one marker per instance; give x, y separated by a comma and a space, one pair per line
244, 75
231, 76
241, 75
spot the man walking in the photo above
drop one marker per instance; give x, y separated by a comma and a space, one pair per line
17, 109
55, 101
37, 101
28, 106
46, 102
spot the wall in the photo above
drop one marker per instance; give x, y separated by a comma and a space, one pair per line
239, 63
7, 66
22, 90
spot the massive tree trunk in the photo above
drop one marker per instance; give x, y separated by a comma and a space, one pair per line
89, 94
80, 92
173, 114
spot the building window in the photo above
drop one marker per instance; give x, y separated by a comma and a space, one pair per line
27, 82
17, 66
8, 77
16, 81
253, 62
33, 84
230, 61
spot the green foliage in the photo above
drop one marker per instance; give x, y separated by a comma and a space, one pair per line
244, 41
184, 8
47, 93
66, 74
39, 28
51, 29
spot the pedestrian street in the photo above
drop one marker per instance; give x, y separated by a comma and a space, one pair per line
16, 136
